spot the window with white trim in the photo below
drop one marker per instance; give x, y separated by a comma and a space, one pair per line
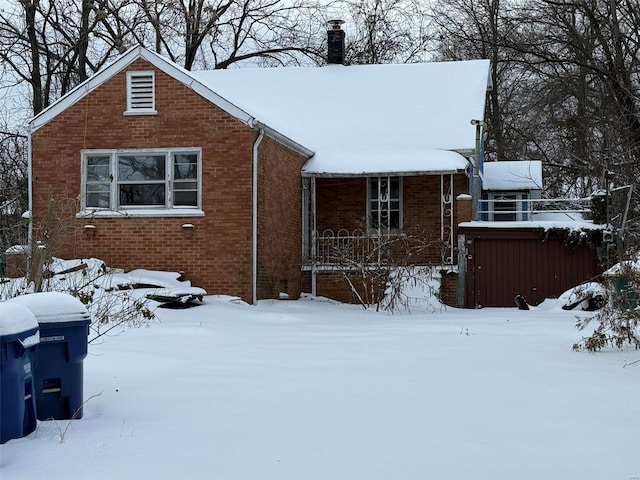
140, 93
384, 210
160, 179
508, 207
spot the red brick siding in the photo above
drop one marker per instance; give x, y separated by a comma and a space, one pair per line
16, 265
341, 203
336, 287
279, 221
216, 254
306, 282
449, 288
464, 210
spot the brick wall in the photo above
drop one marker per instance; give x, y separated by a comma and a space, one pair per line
337, 287
279, 221
216, 253
341, 204
449, 288
17, 264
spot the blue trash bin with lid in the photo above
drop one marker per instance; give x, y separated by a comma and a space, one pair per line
19, 337
59, 371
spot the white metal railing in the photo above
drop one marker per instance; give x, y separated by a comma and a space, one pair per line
359, 248
532, 208
344, 246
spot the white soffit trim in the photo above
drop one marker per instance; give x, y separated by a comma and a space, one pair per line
122, 62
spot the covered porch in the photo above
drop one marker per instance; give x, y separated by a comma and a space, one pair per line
367, 222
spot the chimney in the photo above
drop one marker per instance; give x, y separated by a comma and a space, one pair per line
335, 42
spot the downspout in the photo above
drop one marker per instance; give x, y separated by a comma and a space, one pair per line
30, 189
314, 240
254, 218
476, 171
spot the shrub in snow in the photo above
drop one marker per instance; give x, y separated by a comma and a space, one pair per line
109, 304
618, 322
413, 288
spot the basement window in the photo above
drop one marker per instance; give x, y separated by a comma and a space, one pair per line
140, 93
141, 179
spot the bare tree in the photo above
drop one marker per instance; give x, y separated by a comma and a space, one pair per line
566, 81
585, 56
470, 29
54, 45
13, 188
386, 31
219, 33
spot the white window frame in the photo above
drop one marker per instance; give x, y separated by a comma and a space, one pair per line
114, 182
386, 229
494, 201
132, 105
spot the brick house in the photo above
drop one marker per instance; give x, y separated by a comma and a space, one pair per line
241, 179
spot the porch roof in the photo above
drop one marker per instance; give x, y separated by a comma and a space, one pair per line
344, 163
362, 119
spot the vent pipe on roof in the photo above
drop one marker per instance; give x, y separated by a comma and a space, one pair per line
335, 42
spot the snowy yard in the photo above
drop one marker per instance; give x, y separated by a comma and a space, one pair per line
310, 389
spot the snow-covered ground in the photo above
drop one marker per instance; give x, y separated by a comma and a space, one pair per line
310, 389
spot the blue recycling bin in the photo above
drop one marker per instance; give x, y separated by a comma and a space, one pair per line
59, 371
19, 337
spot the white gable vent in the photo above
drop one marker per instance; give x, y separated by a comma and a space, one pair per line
140, 93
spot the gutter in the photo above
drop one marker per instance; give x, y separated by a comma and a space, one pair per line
394, 173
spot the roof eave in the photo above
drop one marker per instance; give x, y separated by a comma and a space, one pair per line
391, 173
127, 58
282, 139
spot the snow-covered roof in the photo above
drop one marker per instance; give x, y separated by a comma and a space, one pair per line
568, 223
352, 120
512, 175
366, 118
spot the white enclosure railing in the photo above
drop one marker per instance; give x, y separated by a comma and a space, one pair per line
522, 209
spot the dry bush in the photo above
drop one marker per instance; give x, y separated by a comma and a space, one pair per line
619, 319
